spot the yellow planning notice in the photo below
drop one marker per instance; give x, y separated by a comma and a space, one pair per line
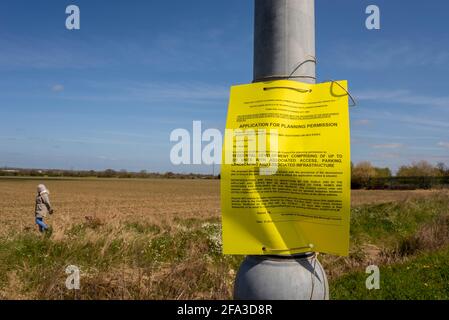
285, 177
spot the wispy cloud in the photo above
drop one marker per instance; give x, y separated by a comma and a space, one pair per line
433, 123
192, 91
57, 88
386, 136
362, 122
388, 146
80, 141
190, 50
105, 158
183, 92
177, 93
444, 144
41, 53
384, 54
402, 97
387, 155
422, 122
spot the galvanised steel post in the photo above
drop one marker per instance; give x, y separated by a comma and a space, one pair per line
284, 47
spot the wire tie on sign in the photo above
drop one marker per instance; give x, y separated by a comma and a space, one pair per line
354, 103
347, 93
265, 249
312, 59
288, 88
292, 76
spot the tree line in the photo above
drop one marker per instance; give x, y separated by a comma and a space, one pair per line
418, 175
364, 175
108, 173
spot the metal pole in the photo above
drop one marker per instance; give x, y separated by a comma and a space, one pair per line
284, 38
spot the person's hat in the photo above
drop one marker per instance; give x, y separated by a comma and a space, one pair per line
42, 188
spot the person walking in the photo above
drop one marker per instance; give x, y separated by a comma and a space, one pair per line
43, 207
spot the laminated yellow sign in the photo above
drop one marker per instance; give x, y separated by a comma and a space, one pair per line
285, 177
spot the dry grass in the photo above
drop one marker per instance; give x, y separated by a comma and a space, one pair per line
361, 197
393, 233
160, 239
113, 202
428, 238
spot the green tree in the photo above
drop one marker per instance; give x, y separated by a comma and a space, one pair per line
443, 170
418, 169
383, 172
363, 172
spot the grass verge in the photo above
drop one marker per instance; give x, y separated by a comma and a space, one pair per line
425, 277
408, 240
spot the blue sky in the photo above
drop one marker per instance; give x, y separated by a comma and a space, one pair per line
108, 95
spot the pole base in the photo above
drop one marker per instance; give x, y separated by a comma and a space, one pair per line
281, 278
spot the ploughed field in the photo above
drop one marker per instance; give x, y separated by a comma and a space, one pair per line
160, 238
162, 202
